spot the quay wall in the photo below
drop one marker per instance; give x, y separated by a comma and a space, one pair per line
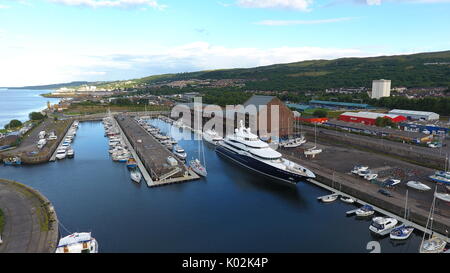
367, 192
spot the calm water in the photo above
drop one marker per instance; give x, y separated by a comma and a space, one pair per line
232, 210
17, 104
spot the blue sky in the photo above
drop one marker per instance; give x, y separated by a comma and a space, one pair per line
51, 41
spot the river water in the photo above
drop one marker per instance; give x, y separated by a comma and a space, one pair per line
232, 210
18, 103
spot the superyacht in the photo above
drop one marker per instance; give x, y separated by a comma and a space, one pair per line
246, 149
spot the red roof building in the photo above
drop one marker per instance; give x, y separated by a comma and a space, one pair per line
369, 118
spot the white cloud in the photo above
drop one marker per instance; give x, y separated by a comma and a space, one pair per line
3, 7
303, 5
32, 65
111, 3
302, 22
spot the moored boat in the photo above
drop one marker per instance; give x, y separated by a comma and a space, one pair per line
330, 198
198, 168
212, 137
247, 150
402, 232
78, 243
383, 225
136, 176
364, 211
347, 200
131, 163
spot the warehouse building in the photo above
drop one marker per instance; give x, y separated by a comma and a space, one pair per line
415, 115
368, 118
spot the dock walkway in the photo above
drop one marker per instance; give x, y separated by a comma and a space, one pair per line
141, 166
61, 140
153, 155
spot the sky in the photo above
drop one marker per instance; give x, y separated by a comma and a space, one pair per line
55, 41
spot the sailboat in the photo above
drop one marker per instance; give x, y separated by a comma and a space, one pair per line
314, 151
434, 244
402, 232
196, 164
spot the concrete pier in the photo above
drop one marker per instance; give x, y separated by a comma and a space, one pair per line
153, 155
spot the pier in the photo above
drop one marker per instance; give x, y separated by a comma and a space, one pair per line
153, 155
60, 140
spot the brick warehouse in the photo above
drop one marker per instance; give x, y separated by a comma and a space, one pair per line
285, 120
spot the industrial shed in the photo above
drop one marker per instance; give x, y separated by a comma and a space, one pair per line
368, 118
415, 115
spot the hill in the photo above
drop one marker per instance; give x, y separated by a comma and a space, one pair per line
415, 70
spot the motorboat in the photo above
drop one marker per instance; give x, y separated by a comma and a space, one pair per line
70, 152
212, 137
358, 169
433, 245
443, 196
78, 243
131, 163
418, 186
347, 200
61, 153
12, 161
198, 168
136, 176
402, 232
179, 152
370, 176
330, 198
172, 161
363, 173
293, 143
383, 225
246, 149
365, 211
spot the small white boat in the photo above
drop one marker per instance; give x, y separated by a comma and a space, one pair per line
198, 168
402, 232
418, 186
61, 153
347, 200
370, 176
313, 151
330, 198
172, 161
443, 196
383, 225
433, 245
293, 143
179, 152
78, 243
70, 152
365, 211
212, 137
136, 176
